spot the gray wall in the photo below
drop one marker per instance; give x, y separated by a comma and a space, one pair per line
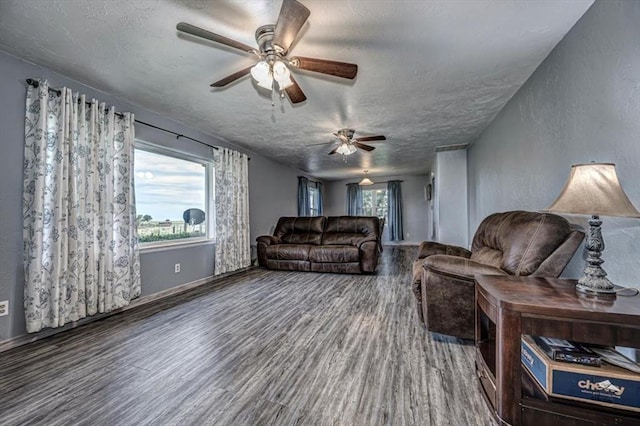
581, 104
451, 208
272, 190
415, 208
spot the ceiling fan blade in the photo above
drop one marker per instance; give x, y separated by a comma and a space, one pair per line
295, 93
320, 143
363, 146
233, 77
293, 15
370, 138
324, 66
334, 151
199, 32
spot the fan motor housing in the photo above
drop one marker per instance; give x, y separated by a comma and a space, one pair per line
348, 133
264, 38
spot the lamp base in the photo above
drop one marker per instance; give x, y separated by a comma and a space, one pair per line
595, 281
596, 289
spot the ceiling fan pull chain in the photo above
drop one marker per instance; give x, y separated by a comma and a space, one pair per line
273, 96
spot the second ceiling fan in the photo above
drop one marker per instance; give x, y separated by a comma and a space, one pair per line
274, 42
348, 144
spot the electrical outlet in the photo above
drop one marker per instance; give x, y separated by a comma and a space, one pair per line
4, 308
176, 268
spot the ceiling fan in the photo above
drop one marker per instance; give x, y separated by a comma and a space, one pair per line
348, 145
274, 42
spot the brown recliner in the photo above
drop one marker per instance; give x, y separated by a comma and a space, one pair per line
511, 243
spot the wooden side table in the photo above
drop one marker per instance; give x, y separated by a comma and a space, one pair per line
507, 307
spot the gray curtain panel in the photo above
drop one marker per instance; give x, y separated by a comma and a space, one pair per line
354, 199
303, 196
320, 206
394, 194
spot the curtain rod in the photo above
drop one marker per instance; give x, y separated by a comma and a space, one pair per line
310, 180
34, 83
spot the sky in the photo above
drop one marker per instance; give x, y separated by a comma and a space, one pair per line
167, 186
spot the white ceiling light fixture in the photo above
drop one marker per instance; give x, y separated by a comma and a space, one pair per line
282, 75
346, 148
366, 181
264, 75
261, 73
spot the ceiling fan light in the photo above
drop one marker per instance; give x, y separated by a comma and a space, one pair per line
282, 75
285, 84
262, 75
346, 149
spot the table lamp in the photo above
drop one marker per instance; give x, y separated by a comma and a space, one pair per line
594, 189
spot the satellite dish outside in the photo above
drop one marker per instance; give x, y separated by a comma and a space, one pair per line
193, 216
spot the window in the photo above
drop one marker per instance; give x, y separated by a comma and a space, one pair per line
374, 202
314, 201
172, 195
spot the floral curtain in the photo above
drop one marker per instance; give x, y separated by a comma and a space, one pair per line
233, 249
80, 244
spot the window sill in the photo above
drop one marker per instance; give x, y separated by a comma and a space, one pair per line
172, 245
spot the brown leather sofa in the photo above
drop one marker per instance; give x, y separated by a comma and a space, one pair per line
510, 243
345, 244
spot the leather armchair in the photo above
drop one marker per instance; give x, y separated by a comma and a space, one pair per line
512, 243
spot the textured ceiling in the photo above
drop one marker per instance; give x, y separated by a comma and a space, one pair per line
430, 72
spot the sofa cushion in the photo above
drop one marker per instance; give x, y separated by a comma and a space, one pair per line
334, 254
300, 230
288, 252
520, 240
488, 256
350, 230
458, 267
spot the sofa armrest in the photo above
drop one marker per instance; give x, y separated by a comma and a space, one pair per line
268, 240
458, 267
367, 240
430, 248
369, 249
263, 242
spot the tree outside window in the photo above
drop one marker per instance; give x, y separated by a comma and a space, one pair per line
374, 202
314, 201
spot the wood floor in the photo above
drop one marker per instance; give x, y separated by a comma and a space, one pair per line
258, 348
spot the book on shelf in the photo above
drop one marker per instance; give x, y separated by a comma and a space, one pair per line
567, 351
613, 357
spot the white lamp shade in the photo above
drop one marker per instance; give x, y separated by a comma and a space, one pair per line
262, 75
282, 75
594, 189
366, 181
346, 149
